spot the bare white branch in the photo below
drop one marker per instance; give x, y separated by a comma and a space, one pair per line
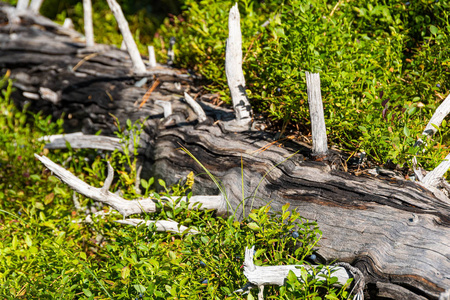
50, 95
22, 4
201, 116
79, 140
441, 112
124, 207
128, 207
68, 23
167, 106
138, 64
233, 68
445, 295
276, 275
123, 46
161, 225
109, 179
151, 57
318, 129
88, 27
35, 6
216, 203
433, 178
52, 138
170, 52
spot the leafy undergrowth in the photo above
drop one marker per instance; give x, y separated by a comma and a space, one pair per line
48, 251
384, 66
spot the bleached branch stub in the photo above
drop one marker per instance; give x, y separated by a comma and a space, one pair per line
318, 129
161, 225
201, 116
276, 275
233, 68
88, 27
138, 64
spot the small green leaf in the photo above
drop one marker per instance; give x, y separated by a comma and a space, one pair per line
39, 205
139, 288
28, 240
87, 292
434, 30
253, 216
253, 226
406, 131
83, 255
144, 183
125, 273
15, 242
162, 183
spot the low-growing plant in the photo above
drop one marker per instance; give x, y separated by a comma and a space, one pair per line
49, 252
361, 49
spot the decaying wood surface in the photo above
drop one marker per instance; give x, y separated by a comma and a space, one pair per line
395, 231
318, 128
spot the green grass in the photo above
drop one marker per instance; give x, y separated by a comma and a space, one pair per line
49, 252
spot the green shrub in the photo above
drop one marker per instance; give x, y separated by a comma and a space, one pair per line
383, 65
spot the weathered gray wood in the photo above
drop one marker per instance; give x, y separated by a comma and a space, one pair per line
318, 129
233, 68
88, 27
395, 231
138, 64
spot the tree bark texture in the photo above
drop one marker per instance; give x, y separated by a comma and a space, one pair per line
395, 231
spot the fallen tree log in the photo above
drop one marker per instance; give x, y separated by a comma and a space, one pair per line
395, 231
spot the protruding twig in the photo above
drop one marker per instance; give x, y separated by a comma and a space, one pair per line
441, 112
123, 46
318, 129
233, 68
137, 183
68, 23
445, 295
161, 225
170, 52
167, 106
88, 27
35, 6
109, 179
276, 275
151, 57
433, 177
138, 64
22, 4
201, 116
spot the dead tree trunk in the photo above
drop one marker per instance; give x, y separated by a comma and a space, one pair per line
395, 231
